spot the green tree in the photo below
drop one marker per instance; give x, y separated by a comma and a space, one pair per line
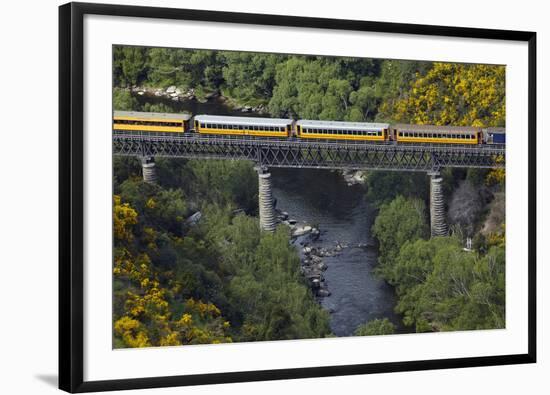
129, 65
124, 101
399, 221
442, 287
250, 77
376, 327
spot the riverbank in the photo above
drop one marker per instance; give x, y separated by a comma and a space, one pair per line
176, 95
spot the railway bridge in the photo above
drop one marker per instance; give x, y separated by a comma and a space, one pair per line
297, 153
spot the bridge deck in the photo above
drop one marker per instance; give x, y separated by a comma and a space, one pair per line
313, 154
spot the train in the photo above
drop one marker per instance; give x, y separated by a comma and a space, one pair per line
282, 128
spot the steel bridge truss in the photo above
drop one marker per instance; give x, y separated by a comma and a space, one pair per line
312, 154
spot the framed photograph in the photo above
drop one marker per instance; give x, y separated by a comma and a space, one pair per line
250, 197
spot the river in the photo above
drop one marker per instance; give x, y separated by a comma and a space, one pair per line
322, 198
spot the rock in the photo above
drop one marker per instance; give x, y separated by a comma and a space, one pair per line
300, 231
211, 95
306, 250
175, 98
315, 283
178, 91
315, 258
158, 93
194, 219
322, 266
323, 293
141, 93
171, 89
353, 177
287, 223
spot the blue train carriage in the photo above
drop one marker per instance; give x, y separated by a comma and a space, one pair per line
150, 122
403, 133
242, 126
354, 131
495, 135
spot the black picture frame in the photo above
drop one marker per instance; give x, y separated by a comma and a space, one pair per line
71, 173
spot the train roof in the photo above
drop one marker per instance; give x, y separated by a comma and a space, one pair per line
495, 130
342, 125
151, 115
440, 129
243, 120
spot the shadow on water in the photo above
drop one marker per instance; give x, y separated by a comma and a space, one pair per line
322, 197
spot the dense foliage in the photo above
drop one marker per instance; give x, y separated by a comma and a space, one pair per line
439, 285
312, 87
219, 280
376, 327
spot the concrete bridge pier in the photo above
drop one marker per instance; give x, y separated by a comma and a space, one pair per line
438, 217
148, 169
265, 196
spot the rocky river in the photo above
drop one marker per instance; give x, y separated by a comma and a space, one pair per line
344, 250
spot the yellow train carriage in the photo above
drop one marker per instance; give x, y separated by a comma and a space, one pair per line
353, 131
150, 122
437, 134
242, 126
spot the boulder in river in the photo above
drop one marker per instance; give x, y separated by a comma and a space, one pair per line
301, 230
171, 89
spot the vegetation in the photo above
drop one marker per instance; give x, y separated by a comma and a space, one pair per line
376, 327
439, 285
218, 281
313, 87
